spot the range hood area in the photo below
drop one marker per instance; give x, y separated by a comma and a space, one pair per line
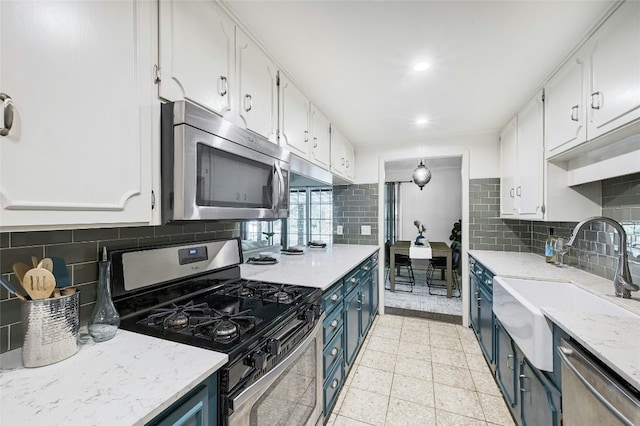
306, 174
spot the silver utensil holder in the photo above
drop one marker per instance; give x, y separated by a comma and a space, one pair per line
50, 329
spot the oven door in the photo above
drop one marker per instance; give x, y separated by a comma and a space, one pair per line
214, 178
290, 394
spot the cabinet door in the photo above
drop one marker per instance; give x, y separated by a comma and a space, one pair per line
294, 118
506, 365
614, 86
474, 297
508, 164
530, 164
351, 324
196, 54
485, 323
365, 305
321, 138
338, 160
79, 151
350, 160
194, 412
258, 100
565, 114
539, 400
375, 296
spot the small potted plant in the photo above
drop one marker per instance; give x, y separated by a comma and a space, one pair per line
421, 228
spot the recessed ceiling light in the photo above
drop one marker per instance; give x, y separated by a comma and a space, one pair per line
421, 120
421, 66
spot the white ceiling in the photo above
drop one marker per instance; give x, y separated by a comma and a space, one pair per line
355, 58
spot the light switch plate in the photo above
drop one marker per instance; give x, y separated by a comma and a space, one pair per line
339, 230
365, 229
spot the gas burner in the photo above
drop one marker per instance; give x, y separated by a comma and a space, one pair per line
282, 293
281, 296
176, 316
224, 327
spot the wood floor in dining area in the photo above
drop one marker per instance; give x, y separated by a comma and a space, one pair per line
413, 371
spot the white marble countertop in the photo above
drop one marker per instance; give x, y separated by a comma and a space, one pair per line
615, 340
317, 267
127, 380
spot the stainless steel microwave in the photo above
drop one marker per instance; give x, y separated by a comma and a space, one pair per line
212, 169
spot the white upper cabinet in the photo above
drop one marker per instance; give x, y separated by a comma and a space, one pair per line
294, 118
508, 168
566, 118
196, 54
598, 89
530, 164
614, 85
257, 88
319, 151
342, 156
79, 76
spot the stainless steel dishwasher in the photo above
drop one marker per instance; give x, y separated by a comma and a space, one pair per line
591, 395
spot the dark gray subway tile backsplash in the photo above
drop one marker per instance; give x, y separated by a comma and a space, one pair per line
81, 250
354, 206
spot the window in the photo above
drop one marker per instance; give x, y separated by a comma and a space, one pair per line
260, 231
310, 216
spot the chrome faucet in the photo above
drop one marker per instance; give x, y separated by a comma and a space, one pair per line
622, 282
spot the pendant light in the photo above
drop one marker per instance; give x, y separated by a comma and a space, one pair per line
421, 175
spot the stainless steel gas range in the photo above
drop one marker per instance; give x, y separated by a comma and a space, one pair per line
272, 333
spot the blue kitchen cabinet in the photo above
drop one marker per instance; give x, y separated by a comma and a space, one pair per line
507, 361
539, 398
375, 295
197, 408
352, 309
481, 308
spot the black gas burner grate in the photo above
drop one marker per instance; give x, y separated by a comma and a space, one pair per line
224, 327
280, 293
177, 317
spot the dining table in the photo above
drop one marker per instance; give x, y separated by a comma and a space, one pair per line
437, 249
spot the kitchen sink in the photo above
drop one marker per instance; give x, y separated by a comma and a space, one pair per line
517, 303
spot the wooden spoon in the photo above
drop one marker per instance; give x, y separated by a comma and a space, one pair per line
34, 261
20, 269
46, 263
68, 291
39, 283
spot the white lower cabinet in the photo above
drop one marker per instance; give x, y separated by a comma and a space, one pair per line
80, 79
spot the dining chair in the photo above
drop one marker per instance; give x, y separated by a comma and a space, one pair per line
401, 260
440, 264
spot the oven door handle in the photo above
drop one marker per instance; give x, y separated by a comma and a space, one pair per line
258, 387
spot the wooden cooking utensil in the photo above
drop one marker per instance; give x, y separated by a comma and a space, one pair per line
20, 269
34, 261
39, 283
67, 291
12, 289
46, 263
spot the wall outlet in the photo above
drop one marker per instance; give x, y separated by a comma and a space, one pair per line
365, 229
339, 230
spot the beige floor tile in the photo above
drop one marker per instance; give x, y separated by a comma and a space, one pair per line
444, 418
331, 420
436, 327
457, 400
340, 399
415, 325
449, 357
420, 369
421, 338
371, 379
383, 344
415, 351
447, 341
387, 332
452, 376
485, 383
412, 389
466, 333
350, 374
495, 410
365, 406
471, 347
405, 413
379, 360
393, 321
476, 362
346, 421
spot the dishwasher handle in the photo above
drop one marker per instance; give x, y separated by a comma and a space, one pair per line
566, 354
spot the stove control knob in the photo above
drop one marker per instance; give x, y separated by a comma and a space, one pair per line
310, 314
273, 347
258, 360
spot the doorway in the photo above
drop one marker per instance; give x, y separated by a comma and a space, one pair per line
437, 206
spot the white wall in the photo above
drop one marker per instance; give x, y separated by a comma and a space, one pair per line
438, 206
484, 155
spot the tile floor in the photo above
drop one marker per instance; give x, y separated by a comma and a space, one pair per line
420, 299
413, 371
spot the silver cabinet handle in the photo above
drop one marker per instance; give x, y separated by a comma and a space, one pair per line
522, 388
488, 281
7, 109
334, 323
359, 304
306, 136
222, 85
334, 351
595, 105
510, 357
519, 191
334, 384
353, 280
342, 161
247, 97
574, 113
347, 164
511, 193
334, 296
315, 142
366, 268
